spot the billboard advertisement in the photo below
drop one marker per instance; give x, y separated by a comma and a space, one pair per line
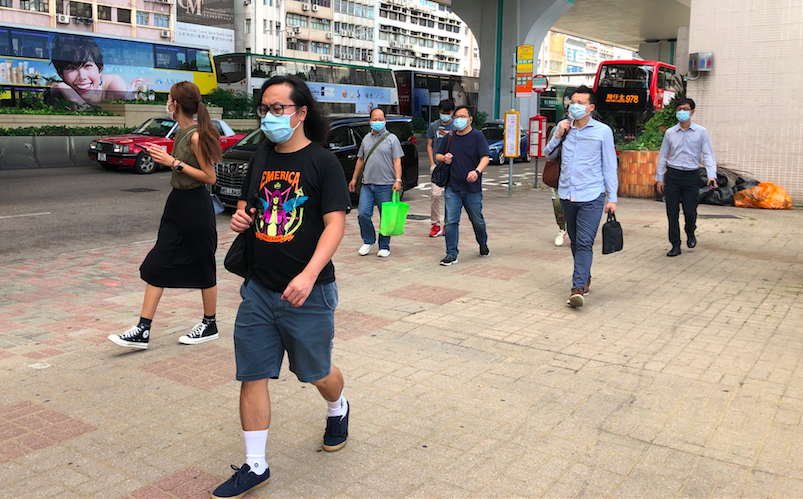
91, 70
220, 40
216, 13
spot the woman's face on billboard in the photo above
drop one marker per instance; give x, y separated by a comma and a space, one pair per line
82, 76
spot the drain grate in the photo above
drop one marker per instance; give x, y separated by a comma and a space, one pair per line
140, 189
417, 217
719, 216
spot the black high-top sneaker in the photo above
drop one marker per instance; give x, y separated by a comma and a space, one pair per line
136, 337
201, 333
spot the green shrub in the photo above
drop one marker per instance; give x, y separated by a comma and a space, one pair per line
653, 135
480, 119
235, 105
45, 110
57, 130
419, 125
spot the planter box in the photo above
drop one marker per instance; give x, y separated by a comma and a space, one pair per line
26, 120
45, 152
246, 124
136, 114
637, 174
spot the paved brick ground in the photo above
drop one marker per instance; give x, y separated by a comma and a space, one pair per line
680, 378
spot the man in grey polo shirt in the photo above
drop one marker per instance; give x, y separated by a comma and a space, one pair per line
381, 154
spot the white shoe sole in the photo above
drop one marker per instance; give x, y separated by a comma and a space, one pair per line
447, 264
116, 340
186, 340
576, 301
363, 253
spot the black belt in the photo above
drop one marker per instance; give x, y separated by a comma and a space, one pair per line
679, 170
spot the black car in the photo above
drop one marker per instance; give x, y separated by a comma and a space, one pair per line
345, 136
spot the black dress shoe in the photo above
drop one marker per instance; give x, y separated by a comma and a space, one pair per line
691, 242
675, 251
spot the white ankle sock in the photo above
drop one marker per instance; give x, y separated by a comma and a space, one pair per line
337, 408
255, 442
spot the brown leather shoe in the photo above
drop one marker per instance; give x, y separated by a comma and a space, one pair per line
576, 300
587, 288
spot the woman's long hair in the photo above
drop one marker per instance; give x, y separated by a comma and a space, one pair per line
316, 124
187, 96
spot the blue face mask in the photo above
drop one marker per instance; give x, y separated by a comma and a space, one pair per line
683, 116
577, 111
446, 118
460, 123
377, 126
277, 129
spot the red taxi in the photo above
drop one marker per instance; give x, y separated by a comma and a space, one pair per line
129, 150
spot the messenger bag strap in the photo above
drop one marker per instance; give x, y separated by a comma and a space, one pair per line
376, 144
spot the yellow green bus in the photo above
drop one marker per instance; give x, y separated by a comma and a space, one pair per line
94, 68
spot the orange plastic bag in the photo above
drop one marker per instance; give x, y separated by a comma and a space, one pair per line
765, 195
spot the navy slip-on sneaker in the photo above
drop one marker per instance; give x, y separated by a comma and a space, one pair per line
337, 432
241, 482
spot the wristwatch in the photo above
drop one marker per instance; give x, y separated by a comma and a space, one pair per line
398, 180
179, 167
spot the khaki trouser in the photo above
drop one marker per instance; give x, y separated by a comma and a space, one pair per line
436, 203
558, 211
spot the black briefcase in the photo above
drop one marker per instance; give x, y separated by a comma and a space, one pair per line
612, 240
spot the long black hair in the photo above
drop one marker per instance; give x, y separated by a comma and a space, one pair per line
316, 124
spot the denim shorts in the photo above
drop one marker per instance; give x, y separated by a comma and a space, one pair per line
268, 326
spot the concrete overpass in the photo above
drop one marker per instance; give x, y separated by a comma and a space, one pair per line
756, 46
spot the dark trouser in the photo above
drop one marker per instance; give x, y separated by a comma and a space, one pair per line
681, 187
582, 222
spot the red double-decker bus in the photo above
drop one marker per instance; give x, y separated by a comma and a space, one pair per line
629, 92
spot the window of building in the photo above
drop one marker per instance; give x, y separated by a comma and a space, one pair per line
320, 24
5, 3
393, 16
296, 20
80, 9
350, 9
297, 44
142, 18
160, 20
104, 13
383, 35
320, 48
370, 14
323, 3
247, 26
383, 13
431, 24
40, 6
123, 15
440, 25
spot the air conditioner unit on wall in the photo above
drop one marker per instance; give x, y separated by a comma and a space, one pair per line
294, 40
165, 33
297, 29
314, 8
305, 6
63, 19
329, 36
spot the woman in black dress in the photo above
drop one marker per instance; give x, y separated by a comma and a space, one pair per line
184, 255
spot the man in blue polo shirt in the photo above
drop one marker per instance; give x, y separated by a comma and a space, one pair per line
468, 156
588, 169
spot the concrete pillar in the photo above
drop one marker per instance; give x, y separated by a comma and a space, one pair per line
682, 51
500, 26
758, 66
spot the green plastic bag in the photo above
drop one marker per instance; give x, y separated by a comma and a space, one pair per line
394, 214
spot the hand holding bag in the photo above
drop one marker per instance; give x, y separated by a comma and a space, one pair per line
612, 240
238, 259
440, 175
551, 175
394, 214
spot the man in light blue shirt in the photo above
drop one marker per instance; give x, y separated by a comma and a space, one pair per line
682, 150
587, 172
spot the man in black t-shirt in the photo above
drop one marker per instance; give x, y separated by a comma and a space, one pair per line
468, 156
294, 204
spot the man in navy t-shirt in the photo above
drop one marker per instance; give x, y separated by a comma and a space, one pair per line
468, 157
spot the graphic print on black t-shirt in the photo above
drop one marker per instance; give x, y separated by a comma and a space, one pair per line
280, 206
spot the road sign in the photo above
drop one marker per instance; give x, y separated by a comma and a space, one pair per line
524, 86
524, 59
540, 83
512, 134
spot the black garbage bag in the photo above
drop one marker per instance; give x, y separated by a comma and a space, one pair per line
722, 180
721, 196
746, 184
703, 194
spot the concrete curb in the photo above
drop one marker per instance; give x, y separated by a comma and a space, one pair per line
17, 153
